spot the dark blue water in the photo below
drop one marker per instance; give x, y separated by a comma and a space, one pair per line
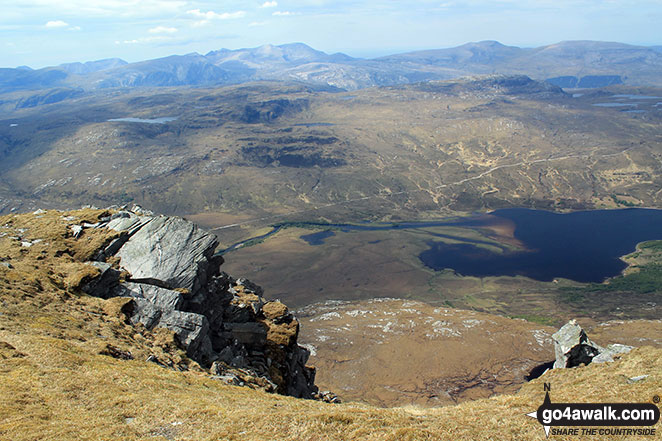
317, 238
583, 246
315, 124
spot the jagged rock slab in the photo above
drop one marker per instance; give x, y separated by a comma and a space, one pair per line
192, 331
170, 250
145, 312
125, 221
573, 348
104, 283
611, 351
249, 334
222, 325
162, 298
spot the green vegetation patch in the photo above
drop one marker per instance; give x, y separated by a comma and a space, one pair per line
647, 280
623, 202
651, 245
572, 295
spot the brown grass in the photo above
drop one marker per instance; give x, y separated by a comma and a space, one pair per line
58, 391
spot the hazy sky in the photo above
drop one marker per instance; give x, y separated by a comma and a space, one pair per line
39, 33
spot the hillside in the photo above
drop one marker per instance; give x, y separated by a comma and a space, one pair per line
266, 149
73, 366
390, 352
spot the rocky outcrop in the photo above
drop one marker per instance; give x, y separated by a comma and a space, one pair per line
573, 348
166, 265
171, 252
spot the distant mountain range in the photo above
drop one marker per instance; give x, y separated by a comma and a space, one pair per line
567, 64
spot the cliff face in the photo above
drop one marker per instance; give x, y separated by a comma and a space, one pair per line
165, 268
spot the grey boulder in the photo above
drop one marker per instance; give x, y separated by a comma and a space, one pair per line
158, 307
573, 348
125, 221
610, 352
192, 332
146, 313
169, 251
102, 285
162, 298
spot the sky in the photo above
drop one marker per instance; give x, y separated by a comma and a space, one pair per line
40, 33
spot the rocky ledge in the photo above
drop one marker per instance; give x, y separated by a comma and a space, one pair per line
166, 269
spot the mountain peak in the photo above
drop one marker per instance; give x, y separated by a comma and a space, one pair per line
92, 66
291, 52
486, 43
